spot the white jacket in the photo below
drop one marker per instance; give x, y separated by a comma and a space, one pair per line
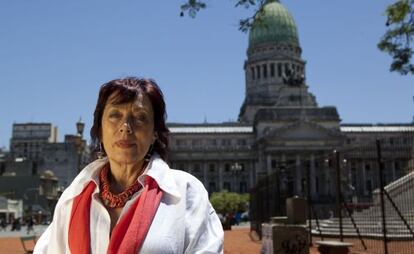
185, 221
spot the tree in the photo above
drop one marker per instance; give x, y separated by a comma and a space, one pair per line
192, 7
229, 202
397, 41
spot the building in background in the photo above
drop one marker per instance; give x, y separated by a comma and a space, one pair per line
29, 139
281, 127
39, 167
34, 149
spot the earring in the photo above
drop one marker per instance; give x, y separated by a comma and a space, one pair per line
100, 153
147, 157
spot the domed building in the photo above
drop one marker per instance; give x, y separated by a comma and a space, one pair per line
281, 128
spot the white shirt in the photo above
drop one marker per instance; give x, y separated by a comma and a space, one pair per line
185, 221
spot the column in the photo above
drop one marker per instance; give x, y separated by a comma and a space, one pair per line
252, 178
269, 164
220, 175
327, 175
312, 176
298, 176
205, 165
364, 178
283, 175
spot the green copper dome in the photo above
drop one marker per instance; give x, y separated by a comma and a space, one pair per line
273, 25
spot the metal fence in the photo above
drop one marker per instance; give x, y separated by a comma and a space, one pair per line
363, 194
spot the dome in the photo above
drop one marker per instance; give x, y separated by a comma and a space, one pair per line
274, 25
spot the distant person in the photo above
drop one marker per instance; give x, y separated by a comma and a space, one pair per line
130, 201
16, 224
30, 223
3, 224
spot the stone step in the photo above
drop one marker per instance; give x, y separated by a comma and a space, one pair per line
398, 236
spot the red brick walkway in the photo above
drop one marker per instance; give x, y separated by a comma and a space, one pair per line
240, 241
236, 241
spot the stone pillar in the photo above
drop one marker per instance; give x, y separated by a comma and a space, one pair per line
283, 176
298, 176
296, 209
220, 175
364, 178
269, 164
283, 239
312, 176
205, 165
251, 174
327, 175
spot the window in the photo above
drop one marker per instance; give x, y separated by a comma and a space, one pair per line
264, 66
274, 163
212, 167
397, 165
242, 166
196, 142
252, 72
272, 69
196, 168
180, 142
243, 187
212, 187
258, 72
368, 186
212, 142
226, 142
227, 167
227, 186
241, 142
317, 184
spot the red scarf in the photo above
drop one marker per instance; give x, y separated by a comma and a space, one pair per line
130, 232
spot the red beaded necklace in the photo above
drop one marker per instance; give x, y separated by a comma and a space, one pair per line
115, 200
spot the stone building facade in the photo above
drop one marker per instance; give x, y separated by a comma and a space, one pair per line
281, 126
34, 149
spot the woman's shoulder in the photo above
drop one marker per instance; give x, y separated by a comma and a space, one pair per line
188, 183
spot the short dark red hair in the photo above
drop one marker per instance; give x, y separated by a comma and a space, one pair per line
127, 90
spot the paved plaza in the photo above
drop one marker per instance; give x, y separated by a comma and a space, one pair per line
38, 230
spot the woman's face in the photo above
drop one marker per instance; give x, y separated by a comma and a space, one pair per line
128, 130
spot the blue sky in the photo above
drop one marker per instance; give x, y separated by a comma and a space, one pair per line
54, 55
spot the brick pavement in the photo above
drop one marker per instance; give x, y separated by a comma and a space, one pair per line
236, 241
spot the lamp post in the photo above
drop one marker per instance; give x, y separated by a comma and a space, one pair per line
79, 141
235, 169
280, 178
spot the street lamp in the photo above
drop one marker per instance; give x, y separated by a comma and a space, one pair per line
236, 168
79, 142
80, 126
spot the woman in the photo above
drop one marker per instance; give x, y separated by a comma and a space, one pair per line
130, 201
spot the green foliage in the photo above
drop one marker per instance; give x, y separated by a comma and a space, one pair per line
399, 36
192, 7
229, 202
